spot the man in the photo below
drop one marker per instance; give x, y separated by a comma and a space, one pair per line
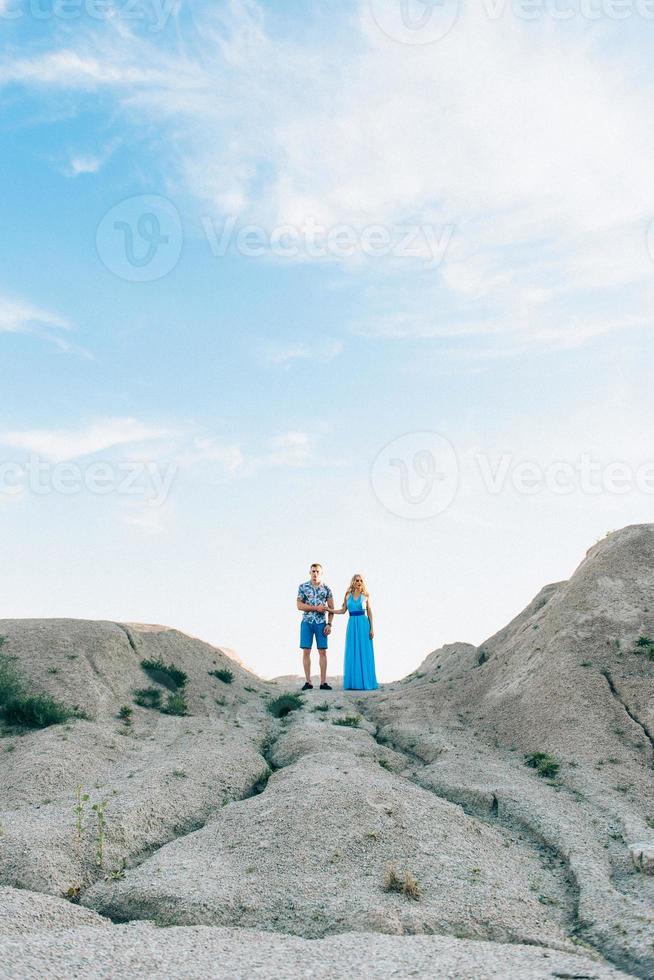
314, 599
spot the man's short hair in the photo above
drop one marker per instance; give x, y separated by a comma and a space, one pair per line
316, 564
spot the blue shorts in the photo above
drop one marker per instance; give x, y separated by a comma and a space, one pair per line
307, 633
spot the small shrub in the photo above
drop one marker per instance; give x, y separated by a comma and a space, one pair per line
405, 883
19, 707
645, 645
283, 705
167, 674
385, 764
321, 707
125, 713
222, 674
176, 704
482, 657
350, 721
36, 711
544, 764
53, 670
148, 697
10, 682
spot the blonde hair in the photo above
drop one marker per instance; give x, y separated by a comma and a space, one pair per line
364, 588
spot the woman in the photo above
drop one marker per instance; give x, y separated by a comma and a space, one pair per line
359, 671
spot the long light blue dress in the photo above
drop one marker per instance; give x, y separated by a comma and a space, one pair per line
359, 670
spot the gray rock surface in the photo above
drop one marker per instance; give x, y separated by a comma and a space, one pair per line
237, 844
24, 912
198, 952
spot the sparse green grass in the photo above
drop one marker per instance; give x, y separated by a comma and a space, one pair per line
385, 764
404, 883
350, 721
650, 822
53, 670
222, 674
645, 645
168, 675
321, 707
116, 875
586, 663
282, 706
99, 810
148, 697
81, 799
544, 764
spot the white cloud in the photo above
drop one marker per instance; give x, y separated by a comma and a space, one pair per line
321, 351
207, 450
17, 316
289, 449
70, 69
533, 143
220, 460
83, 165
152, 520
61, 444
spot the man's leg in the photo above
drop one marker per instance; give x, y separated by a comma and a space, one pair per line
321, 643
306, 663
306, 642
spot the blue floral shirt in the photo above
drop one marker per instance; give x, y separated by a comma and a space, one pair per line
314, 595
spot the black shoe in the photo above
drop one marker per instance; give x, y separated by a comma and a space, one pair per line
325, 687
308, 687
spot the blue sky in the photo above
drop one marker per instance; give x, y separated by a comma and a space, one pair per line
265, 386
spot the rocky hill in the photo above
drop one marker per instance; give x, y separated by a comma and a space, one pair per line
490, 815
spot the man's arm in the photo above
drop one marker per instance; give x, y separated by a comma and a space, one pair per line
305, 607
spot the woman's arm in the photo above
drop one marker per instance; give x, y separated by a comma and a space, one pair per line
343, 609
369, 612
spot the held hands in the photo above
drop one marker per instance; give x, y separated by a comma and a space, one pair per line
327, 630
